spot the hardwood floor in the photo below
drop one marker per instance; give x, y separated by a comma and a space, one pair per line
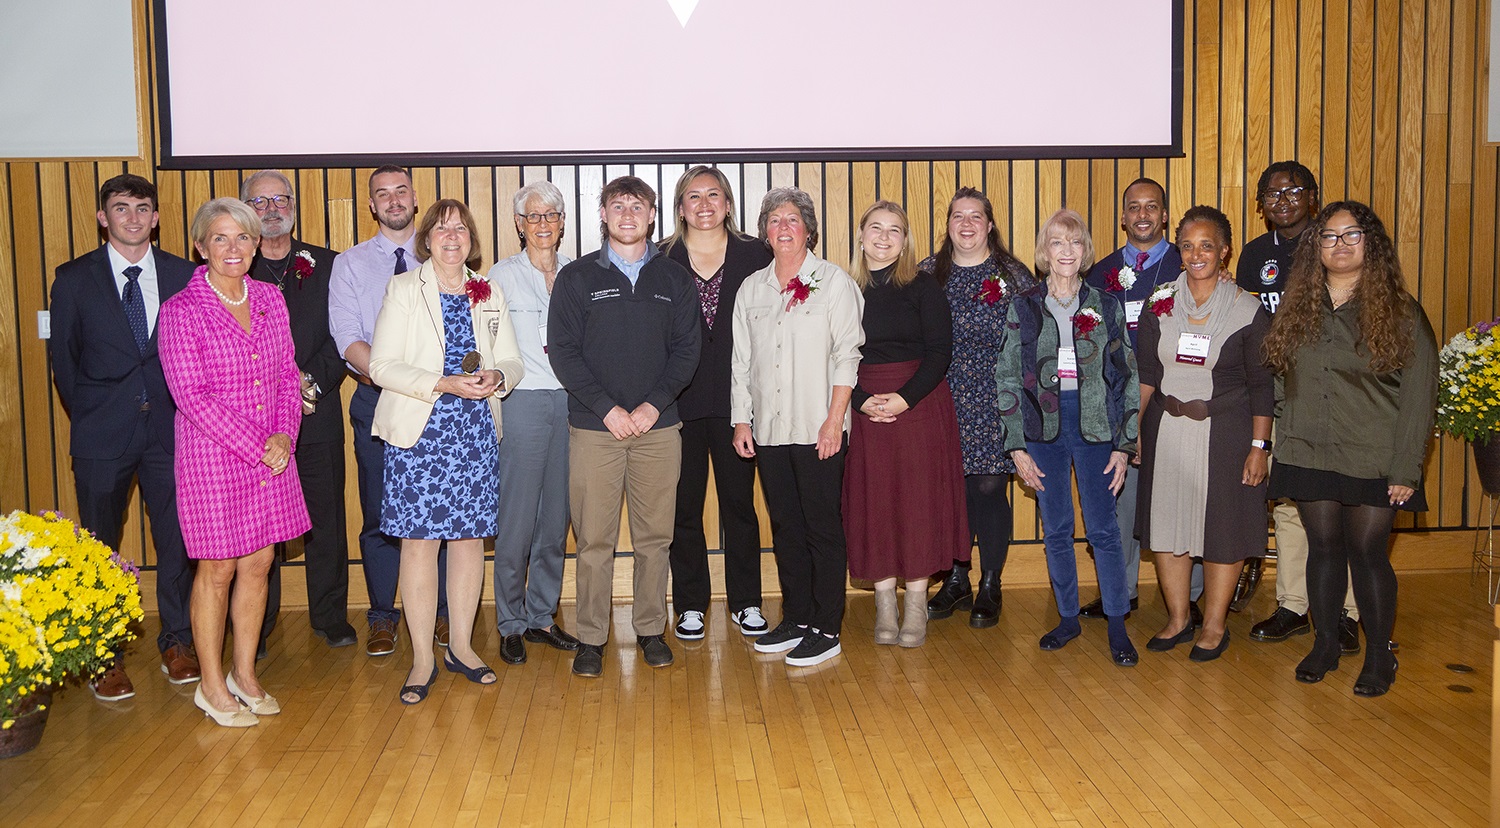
977, 727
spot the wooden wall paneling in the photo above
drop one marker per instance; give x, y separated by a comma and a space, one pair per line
1357, 181
833, 206
312, 206
589, 184
782, 174
1207, 90
1335, 104
810, 179
32, 251
12, 434
1433, 260
943, 183
890, 186
1049, 195
1309, 58
503, 183
1075, 187
864, 186
1103, 206
343, 206
1385, 155
1025, 208
1231, 160
482, 198
1258, 110
919, 207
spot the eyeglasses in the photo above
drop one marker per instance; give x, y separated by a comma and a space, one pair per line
1270, 197
263, 203
552, 217
1350, 237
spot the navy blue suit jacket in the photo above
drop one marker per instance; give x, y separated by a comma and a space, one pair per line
99, 371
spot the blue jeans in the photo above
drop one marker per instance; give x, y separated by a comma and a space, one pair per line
1070, 453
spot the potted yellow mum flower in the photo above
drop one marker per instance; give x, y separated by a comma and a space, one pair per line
66, 605
1469, 396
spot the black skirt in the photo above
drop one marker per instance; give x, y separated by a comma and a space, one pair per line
1297, 483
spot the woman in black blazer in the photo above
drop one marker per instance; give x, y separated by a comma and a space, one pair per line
708, 243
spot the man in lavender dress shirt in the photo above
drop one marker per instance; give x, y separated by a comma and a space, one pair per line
357, 289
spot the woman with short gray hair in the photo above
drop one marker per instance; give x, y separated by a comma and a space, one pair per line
534, 459
797, 335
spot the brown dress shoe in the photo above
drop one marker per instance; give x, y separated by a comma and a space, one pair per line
440, 631
180, 663
112, 685
382, 640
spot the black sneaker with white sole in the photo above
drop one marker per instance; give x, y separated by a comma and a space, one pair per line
750, 620
786, 636
816, 648
689, 626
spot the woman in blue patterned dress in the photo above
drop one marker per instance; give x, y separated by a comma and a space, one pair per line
444, 352
980, 276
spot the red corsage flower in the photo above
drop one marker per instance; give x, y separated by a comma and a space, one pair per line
1086, 320
1162, 300
303, 264
799, 289
991, 291
1119, 279
478, 290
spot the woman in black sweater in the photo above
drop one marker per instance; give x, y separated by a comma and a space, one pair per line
904, 487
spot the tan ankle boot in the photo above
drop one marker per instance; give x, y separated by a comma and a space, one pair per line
885, 616
914, 625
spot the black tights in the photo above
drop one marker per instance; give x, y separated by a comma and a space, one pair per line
989, 518
1354, 540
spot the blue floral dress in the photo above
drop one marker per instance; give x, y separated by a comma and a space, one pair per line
977, 328
447, 485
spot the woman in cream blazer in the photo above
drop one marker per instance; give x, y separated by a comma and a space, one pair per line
443, 354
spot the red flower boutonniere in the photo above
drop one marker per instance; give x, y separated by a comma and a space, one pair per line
1119, 280
992, 290
1086, 320
478, 290
799, 289
1162, 299
302, 265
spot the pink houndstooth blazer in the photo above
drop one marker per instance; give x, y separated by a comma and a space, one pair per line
233, 391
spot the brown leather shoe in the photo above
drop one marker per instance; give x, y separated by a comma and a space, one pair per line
382, 640
180, 663
112, 685
440, 631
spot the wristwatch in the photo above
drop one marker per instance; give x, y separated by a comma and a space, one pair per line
1264, 445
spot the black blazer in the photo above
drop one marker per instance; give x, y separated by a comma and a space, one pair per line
708, 394
307, 306
99, 371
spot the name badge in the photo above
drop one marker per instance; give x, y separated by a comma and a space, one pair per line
541, 331
1133, 313
1067, 363
1193, 348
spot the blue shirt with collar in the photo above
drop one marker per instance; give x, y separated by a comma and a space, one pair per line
632, 270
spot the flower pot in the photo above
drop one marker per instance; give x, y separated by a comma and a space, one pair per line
26, 732
1487, 462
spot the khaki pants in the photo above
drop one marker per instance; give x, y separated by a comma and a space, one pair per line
641, 471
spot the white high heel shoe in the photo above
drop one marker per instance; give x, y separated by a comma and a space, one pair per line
266, 705
235, 718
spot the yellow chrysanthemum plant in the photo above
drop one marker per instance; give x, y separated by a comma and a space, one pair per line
67, 603
1469, 383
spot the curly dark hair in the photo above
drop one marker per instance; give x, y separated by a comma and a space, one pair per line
1385, 319
1212, 215
942, 263
1299, 173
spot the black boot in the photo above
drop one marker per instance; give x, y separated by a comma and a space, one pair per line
1245, 589
954, 594
986, 602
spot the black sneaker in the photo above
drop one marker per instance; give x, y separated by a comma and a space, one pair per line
589, 661
1348, 634
1282, 624
816, 648
786, 636
654, 648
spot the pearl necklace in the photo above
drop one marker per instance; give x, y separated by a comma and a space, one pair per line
233, 303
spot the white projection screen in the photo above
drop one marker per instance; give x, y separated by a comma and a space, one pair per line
653, 81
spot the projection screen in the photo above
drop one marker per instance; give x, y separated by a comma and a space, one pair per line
652, 81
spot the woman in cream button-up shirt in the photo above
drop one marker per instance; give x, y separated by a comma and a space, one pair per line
444, 352
796, 358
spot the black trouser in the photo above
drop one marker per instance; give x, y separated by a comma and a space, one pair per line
103, 488
734, 481
320, 468
804, 495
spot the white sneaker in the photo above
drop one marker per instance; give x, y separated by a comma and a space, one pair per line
689, 626
750, 620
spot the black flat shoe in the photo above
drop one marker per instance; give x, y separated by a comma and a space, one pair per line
1200, 654
1162, 645
557, 638
418, 690
1095, 609
474, 674
1124, 658
513, 649
1369, 685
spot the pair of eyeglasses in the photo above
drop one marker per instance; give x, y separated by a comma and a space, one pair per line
1350, 237
537, 218
1270, 197
263, 203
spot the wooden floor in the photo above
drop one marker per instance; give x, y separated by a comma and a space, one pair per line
975, 728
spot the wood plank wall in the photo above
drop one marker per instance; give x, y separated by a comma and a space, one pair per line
1383, 99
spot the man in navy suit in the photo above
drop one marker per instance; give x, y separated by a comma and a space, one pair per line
104, 361
301, 271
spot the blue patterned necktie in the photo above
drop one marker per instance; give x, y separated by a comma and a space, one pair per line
135, 307
400, 261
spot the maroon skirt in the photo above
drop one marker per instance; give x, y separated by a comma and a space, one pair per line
904, 510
